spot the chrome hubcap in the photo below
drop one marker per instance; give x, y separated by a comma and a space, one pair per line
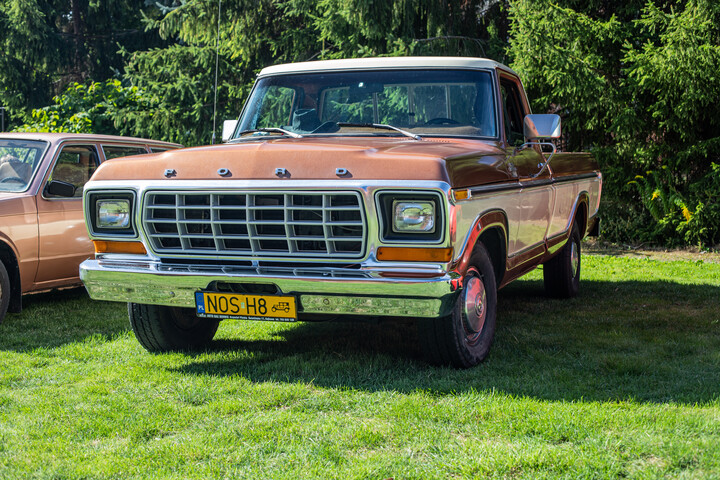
574, 258
475, 305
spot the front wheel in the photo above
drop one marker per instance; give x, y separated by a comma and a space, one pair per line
4, 291
561, 275
463, 338
162, 329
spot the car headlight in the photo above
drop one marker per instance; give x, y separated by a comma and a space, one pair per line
112, 213
413, 216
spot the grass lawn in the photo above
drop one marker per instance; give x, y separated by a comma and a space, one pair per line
623, 381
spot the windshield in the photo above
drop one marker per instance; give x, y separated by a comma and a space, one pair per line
420, 102
18, 161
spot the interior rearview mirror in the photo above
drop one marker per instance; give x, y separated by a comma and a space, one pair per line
541, 125
228, 129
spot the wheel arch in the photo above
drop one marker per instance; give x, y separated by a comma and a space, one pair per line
580, 215
10, 260
490, 229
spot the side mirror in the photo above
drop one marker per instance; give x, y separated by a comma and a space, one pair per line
228, 129
541, 126
60, 189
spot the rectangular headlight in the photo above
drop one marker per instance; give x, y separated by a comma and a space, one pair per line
113, 214
413, 216
110, 213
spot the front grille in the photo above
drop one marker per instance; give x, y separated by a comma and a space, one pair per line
257, 224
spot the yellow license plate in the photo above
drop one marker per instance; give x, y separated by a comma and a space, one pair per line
248, 307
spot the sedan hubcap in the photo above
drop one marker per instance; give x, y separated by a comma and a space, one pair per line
475, 306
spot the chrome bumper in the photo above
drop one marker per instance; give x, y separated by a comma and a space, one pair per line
335, 291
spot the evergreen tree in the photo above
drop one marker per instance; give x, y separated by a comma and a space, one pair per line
258, 33
48, 44
638, 86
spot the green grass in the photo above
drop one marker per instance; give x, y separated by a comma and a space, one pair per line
623, 381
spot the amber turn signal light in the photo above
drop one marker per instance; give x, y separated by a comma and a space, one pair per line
462, 194
414, 254
102, 246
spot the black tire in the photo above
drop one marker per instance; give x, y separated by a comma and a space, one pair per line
4, 291
463, 338
561, 274
163, 329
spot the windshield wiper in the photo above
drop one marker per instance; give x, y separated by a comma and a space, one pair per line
266, 130
380, 125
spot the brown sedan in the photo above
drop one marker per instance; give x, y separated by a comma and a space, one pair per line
42, 231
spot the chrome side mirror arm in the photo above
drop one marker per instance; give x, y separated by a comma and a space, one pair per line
541, 126
547, 162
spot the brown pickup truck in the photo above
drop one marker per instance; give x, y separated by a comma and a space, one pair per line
43, 237
383, 187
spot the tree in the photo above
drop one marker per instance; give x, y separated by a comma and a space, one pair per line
637, 86
100, 107
48, 44
258, 33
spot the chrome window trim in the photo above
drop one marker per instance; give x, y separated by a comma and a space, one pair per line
490, 69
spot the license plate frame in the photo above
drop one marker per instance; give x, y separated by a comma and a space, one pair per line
228, 305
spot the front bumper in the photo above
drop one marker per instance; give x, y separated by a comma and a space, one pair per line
319, 291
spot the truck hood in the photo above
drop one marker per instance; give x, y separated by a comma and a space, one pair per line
364, 158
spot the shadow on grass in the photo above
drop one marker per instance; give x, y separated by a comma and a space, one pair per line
56, 318
644, 341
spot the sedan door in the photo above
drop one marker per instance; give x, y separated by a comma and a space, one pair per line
64, 241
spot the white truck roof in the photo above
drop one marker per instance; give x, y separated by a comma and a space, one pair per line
378, 63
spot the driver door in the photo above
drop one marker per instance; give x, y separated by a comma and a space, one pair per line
537, 194
64, 241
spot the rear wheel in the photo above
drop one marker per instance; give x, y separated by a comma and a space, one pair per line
561, 274
463, 338
4, 291
161, 329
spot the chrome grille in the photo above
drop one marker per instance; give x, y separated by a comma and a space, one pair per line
258, 224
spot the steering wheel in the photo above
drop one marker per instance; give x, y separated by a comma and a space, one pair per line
441, 121
13, 179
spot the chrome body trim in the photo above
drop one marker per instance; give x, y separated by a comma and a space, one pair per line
327, 224
362, 286
366, 189
527, 225
338, 291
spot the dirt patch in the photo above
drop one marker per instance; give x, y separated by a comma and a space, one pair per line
693, 254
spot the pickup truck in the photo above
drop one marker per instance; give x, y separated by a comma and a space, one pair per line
364, 188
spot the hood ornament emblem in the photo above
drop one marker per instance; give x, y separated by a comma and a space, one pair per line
282, 172
170, 172
341, 172
223, 172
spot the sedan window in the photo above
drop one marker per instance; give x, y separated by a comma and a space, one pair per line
75, 165
115, 151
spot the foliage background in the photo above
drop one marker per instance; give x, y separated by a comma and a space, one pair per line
636, 82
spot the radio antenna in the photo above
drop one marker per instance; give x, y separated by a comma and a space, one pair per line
217, 63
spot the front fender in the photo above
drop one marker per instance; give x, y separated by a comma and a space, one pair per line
492, 219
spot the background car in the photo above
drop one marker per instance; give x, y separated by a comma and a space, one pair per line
43, 237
